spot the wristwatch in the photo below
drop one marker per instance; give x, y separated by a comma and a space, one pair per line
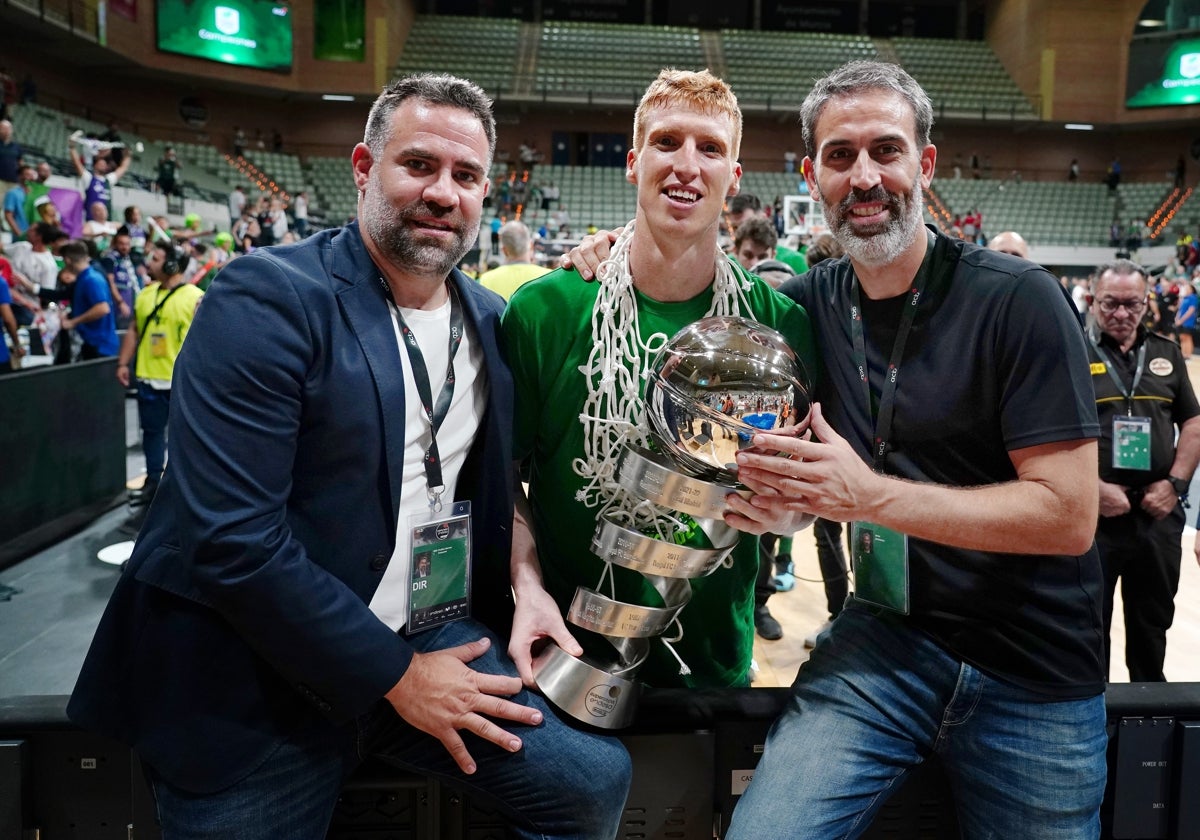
1181, 485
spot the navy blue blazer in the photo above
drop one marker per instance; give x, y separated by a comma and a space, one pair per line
242, 615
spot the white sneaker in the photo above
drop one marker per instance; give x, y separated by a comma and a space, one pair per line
810, 641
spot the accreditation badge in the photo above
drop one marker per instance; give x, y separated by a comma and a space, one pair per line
879, 559
1131, 443
158, 344
440, 568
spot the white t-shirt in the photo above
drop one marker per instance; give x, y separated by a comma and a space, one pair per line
458, 430
300, 208
1079, 297
38, 266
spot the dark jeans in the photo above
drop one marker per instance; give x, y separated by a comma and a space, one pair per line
565, 783
152, 415
876, 697
1145, 555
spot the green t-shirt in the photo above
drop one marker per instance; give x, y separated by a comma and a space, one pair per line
36, 191
548, 329
792, 258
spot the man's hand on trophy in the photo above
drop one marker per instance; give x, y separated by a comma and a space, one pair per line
537, 621
782, 516
822, 476
440, 694
590, 252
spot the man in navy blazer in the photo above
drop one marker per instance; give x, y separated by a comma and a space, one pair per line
259, 643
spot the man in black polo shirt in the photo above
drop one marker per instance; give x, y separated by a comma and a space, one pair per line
1142, 396
964, 461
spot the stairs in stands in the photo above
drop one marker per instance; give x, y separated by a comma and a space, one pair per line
525, 77
938, 210
260, 178
714, 54
1167, 210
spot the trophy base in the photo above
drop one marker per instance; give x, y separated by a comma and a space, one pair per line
587, 693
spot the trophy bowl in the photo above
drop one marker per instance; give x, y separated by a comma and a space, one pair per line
716, 383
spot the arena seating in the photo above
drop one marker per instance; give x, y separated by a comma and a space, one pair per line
332, 187
767, 185
778, 67
1051, 212
597, 195
44, 129
206, 168
573, 61
962, 76
481, 49
1046, 213
609, 60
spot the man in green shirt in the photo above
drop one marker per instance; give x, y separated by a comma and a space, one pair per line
580, 353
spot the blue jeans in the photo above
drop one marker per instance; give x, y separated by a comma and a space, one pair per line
564, 783
153, 406
876, 698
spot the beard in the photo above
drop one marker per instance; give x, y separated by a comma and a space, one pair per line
883, 242
405, 246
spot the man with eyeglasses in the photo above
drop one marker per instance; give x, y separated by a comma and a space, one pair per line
1143, 395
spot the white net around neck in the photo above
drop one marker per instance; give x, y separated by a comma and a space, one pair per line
617, 371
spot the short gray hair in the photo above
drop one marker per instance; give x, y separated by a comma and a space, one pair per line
1120, 268
514, 239
855, 77
436, 89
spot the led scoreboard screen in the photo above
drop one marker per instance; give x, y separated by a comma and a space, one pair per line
246, 33
1163, 72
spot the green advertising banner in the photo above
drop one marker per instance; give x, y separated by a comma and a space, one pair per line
1163, 73
248, 33
339, 30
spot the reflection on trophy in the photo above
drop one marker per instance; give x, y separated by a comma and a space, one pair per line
711, 388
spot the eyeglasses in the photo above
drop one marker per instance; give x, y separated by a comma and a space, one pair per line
1109, 306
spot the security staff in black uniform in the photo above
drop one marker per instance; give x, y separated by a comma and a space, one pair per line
1142, 396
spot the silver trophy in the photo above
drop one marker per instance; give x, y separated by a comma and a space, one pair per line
711, 388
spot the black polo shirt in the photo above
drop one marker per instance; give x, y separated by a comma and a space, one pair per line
1164, 394
996, 361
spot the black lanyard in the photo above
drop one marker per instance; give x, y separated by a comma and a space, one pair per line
158, 305
887, 397
435, 414
1112, 372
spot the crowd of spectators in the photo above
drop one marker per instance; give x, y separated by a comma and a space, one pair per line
117, 241
65, 294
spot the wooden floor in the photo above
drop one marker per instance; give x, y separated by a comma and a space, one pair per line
802, 610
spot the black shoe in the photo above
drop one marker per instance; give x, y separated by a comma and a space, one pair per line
766, 625
143, 496
783, 564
